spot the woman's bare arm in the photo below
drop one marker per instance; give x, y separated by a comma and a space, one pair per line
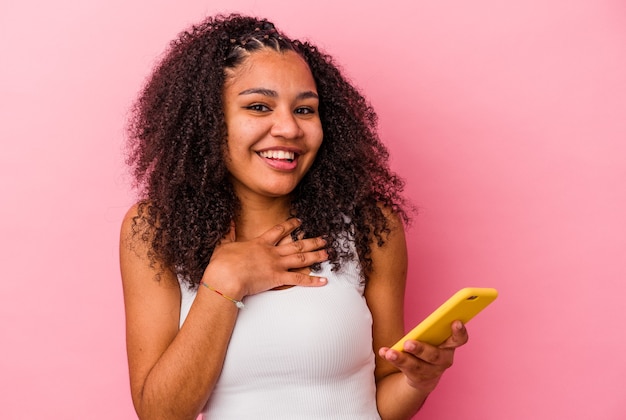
172, 371
404, 379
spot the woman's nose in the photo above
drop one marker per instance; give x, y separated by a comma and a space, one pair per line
285, 125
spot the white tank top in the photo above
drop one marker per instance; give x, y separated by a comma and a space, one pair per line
299, 353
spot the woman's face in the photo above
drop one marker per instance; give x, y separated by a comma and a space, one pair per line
273, 124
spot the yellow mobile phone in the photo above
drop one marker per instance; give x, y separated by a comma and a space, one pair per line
462, 306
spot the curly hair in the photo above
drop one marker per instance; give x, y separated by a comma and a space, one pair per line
177, 143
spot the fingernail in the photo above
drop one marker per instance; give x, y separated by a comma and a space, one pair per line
409, 346
393, 356
323, 280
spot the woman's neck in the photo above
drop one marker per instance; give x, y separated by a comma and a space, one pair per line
257, 217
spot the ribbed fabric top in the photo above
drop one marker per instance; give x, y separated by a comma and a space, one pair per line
299, 353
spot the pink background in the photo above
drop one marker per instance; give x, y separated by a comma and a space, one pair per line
506, 118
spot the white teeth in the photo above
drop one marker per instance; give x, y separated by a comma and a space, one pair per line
277, 154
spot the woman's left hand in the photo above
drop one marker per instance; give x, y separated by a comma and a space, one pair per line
424, 364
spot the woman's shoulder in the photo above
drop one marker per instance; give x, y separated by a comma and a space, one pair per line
131, 214
136, 220
136, 250
136, 233
396, 217
393, 245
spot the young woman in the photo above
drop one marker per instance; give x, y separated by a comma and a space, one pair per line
264, 266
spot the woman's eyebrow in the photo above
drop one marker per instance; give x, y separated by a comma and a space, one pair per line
259, 91
307, 95
273, 94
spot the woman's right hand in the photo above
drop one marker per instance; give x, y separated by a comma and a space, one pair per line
245, 268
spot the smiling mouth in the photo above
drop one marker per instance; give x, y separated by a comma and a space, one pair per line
278, 155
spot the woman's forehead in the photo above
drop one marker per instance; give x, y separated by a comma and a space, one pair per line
268, 68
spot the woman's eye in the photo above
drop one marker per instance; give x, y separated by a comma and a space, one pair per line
258, 108
305, 110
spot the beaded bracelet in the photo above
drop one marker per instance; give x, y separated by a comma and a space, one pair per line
237, 303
